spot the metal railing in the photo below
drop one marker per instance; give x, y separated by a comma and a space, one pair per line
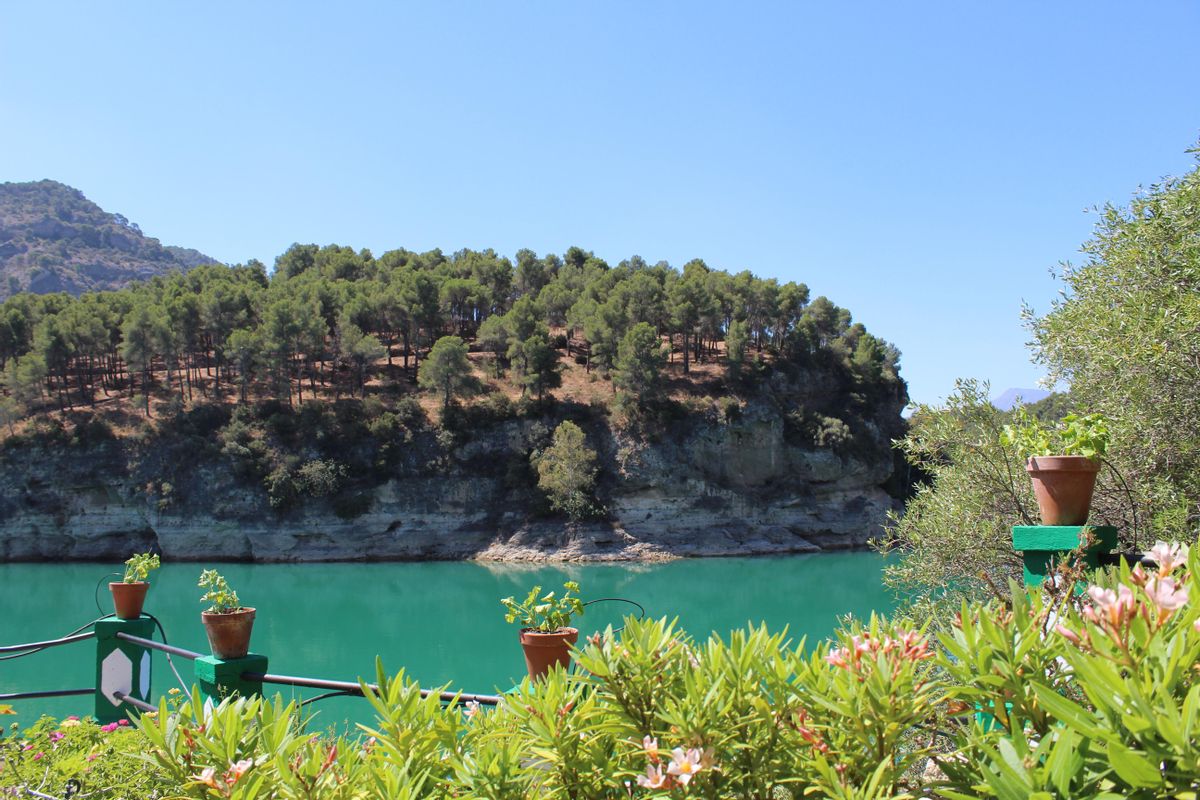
16, 648
150, 644
350, 688
334, 688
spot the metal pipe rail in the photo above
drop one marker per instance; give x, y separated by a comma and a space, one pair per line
133, 701
48, 693
13, 648
354, 688
166, 648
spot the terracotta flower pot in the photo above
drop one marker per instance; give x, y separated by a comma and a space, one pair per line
544, 650
1063, 486
229, 634
128, 598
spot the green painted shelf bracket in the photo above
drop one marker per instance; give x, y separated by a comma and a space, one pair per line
219, 678
122, 668
1043, 546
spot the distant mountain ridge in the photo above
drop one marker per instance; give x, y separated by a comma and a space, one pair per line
1008, 399
53, 239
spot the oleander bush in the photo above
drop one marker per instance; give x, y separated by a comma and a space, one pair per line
1060, 693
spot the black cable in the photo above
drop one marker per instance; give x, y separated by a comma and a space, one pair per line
326, 696
96, 592
182, 685
640, 608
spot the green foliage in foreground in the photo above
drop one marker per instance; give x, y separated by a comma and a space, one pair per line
1084, 695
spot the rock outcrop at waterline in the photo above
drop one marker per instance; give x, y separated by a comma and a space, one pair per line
711, 487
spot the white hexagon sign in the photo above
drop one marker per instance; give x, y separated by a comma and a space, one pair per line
116, 675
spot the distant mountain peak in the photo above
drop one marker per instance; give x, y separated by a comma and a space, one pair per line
1011, 398
54, 239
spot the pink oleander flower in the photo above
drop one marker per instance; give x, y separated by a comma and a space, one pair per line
837, 657
57, 735
1110, 607
1164, 593
37, 756
236, 771
1068, 634
122, 722
650, 745
685, 764
1168, 556
109, 728
653, 779
208, 777
93, 756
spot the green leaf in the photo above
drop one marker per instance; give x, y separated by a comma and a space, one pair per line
1133, 768
1069, 712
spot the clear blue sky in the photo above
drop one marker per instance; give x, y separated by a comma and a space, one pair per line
922, 164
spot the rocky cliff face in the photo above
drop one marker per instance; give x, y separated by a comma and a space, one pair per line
713, 488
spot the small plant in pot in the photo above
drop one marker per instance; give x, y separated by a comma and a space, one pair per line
1062, 462
227, 623
546, 635
129, 593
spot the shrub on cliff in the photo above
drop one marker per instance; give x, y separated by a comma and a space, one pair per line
567, 472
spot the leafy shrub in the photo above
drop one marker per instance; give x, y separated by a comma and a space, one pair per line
319, 478
77, 757
730, 408
831, 432
281, 489
91, 430
409, 411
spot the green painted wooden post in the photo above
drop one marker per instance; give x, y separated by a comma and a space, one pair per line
121, 666
1042, 546
219, 678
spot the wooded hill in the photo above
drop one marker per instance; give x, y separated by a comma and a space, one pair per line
53, 239
332, 322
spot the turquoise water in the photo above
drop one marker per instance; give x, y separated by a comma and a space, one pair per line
441, 621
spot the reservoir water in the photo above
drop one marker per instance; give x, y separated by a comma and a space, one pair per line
440, 621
